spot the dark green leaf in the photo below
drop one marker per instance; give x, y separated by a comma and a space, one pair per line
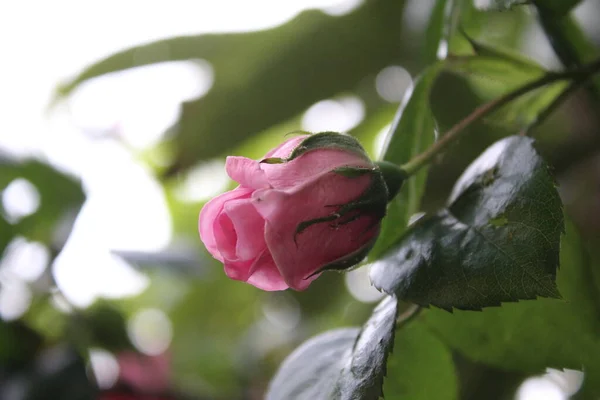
346, 363
6, 234
101, 326
421, 367
497, 241
65, 377
530, 336
567, 39
18, 345
412, 131
267, 77
557, 7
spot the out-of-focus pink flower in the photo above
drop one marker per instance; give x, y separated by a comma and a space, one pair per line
141, 377
150, 373
314, 203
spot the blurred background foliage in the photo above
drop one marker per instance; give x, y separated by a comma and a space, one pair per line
98, 219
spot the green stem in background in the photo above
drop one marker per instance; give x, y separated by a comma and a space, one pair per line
412, 166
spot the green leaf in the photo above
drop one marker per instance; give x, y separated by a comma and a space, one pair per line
6, 234
499, 5
557, 7
497, 241
567, 39
494, 71
530, 336
268, 77
61, 196
18, 345
346, 363
421, 366
436, 30
412, 131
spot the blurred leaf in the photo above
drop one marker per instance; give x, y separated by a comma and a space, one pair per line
558, 7
6, 233
412, 131
267, 77
437, 30
18, 345
499, 5
532, 335
61, 196
64, 377
346, 363
498, 71
101, 325
497, 241
567, 39
506, 70
420, 367
207, 326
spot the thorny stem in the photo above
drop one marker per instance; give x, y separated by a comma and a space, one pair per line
412, 166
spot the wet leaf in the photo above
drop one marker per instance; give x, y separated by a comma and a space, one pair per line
346, 363
530, 336
457, 258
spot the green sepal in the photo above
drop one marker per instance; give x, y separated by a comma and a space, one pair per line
393, 176
352, 172
329, 140
273, 160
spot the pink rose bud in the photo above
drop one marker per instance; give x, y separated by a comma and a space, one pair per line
314, 203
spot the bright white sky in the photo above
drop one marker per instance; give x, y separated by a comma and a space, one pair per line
45, 42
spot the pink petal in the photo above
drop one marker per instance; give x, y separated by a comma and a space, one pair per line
265, 274
319, 244
249, 228
238, 270
209, 214
246, 172
286, 148
225, 236
310, 165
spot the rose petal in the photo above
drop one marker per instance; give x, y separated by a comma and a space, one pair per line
225, 236
209, 214
265, 274
246, 172
238, 270
310, 165
321, 243
249, 227
285, 149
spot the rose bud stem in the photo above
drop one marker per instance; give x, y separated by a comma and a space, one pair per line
393, 176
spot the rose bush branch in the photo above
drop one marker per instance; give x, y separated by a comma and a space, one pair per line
412, 166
